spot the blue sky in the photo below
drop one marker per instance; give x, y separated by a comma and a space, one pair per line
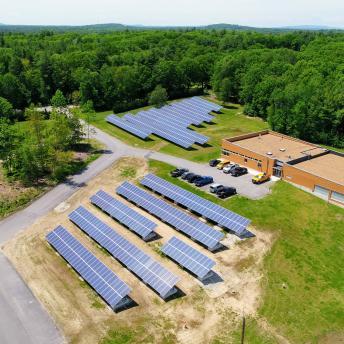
263, 13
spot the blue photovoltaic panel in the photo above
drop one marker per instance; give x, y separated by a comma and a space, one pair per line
188, 257
191, 109
148, 269
165, 124
213, 106
198, 105
93, 271
133, 129
121, 212
166, 134
173, 216
212, 211
181, 114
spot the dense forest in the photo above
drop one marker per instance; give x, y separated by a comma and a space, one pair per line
295, 80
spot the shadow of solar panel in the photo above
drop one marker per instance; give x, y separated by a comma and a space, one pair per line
149, 270
113, 290
191, 259
210, 210
185, 223
124, 214
121, 123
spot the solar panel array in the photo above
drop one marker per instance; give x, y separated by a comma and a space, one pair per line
170, 122
148, 269
188, 257
210, 210
121, 212
183, 222
112, 289
121, 123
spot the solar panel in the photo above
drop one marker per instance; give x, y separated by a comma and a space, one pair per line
121, 123
181, 114
165, 124
148, 269
121, 212
197, 106
213, 106
112, 289
183, 222
193, 111
191, 259
212, 211
164, 133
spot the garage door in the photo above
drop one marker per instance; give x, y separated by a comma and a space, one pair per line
336, 196
321, 192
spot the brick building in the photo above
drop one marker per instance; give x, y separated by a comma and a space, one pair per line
299, 162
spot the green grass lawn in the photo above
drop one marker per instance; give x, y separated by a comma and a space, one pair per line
303, 273
229, 123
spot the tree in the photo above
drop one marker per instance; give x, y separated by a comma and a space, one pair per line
6, 109
7, 144
58, 100
158, 97
89, 113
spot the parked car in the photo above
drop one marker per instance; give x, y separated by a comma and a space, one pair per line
204, 181
187, 175
214, 188
178, 172
226, 192
260, 178
214, 162
227, 169
194, 178
238, 171
222, 164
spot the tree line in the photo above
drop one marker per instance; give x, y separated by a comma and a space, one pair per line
293, 79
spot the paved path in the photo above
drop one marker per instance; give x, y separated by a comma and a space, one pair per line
22, 319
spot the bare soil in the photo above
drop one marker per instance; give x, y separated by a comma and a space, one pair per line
84, 318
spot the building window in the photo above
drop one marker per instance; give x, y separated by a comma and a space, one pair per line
336, 196
245, 159
259, 164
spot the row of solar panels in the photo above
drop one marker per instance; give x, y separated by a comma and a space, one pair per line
103, 280
205, 208
92, 270
170, 122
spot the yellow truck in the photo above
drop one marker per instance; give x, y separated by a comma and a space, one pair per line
260, 178
222, 164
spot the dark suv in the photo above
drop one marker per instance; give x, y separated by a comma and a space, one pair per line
193, 178
204, 181
187, 175
226, 192
178, 172
238, 171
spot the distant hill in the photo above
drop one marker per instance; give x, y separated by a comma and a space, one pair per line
111, 27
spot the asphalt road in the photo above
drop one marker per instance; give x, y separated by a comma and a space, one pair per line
22, 318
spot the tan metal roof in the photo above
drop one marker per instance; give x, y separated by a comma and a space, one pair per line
278, 147
328, 166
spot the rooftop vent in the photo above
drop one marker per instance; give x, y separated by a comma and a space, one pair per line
269, 153
282, 149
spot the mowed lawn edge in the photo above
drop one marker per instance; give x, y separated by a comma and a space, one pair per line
303, 291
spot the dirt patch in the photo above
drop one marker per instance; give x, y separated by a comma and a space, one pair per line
84, 318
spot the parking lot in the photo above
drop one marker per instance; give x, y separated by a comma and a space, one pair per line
243, 184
